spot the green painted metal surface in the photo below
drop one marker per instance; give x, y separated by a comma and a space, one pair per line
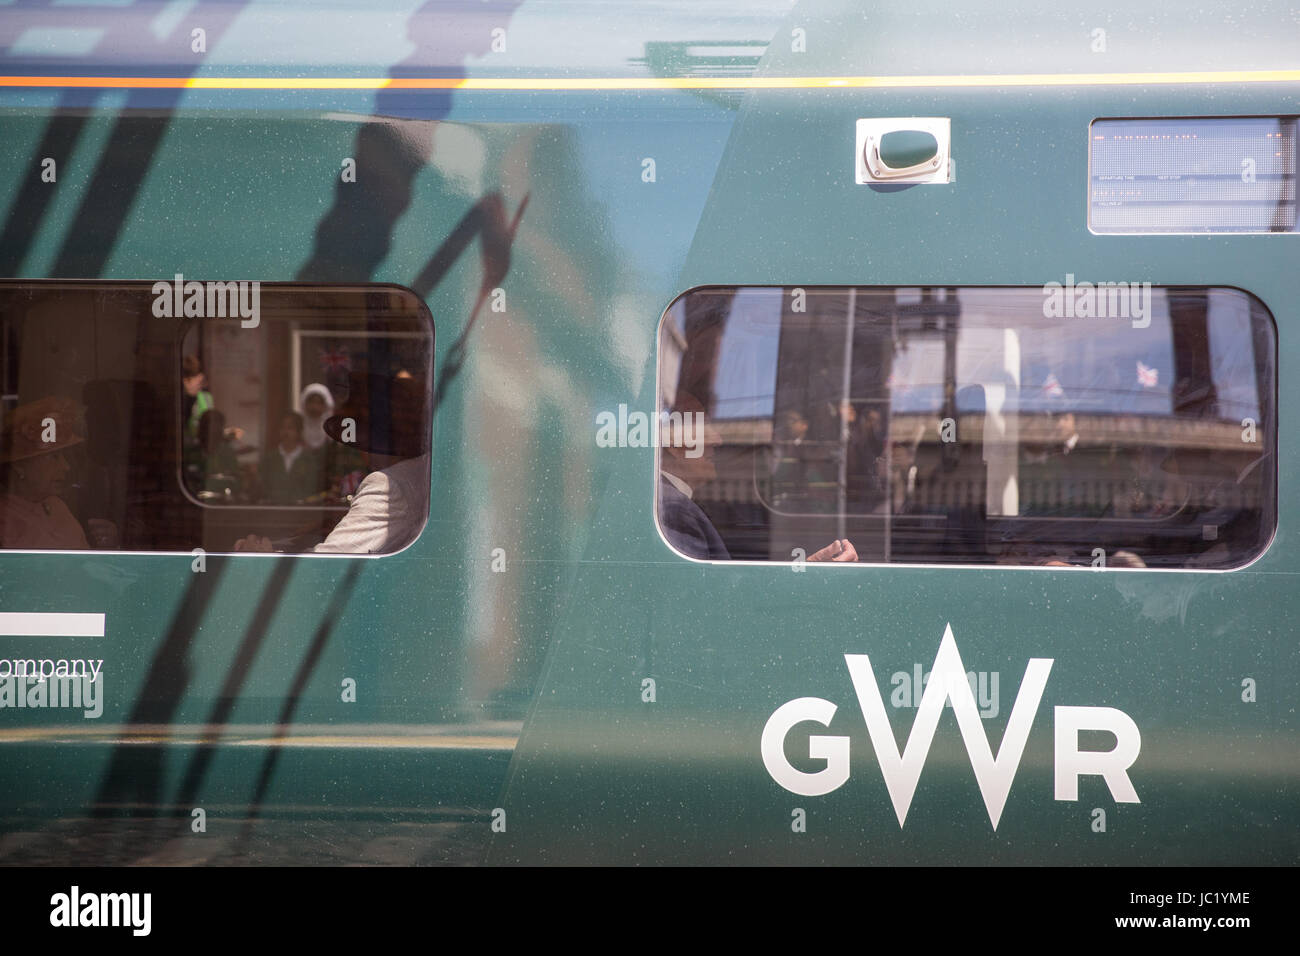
523, 690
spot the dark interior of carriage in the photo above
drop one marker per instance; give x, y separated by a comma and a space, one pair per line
188, 432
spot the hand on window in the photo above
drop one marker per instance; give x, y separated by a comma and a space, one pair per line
840, 550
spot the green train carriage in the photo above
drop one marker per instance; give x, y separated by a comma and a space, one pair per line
568, 232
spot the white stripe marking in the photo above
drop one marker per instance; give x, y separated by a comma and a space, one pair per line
50, 624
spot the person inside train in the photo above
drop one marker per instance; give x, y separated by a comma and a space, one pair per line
211, 465
317, 405
683, 466
796, 464
385, 418
33, 469
341, 467
196, 399
291, 471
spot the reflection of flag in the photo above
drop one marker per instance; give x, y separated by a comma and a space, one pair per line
1052, 387
335, 360
1147, 377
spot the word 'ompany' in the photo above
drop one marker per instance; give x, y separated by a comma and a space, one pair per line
209, 300
45, 667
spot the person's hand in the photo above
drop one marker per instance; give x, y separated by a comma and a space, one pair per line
840, 550
253, 542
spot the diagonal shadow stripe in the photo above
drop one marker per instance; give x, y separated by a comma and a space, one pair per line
229, 693
300, 680
23, 221
134, 773
123, 166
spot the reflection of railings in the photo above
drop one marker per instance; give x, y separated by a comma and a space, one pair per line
1156, 431
1077, 496
947, 494
731, 491
1128, 498
1160, 431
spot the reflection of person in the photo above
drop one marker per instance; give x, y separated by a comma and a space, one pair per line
385, 418
789, 456
317, 404
211, 463
341, 466
685, 525
197, 400
865, 470
1065, 436
791, 429
291, 471
32, 469
1051, 469
1157, 488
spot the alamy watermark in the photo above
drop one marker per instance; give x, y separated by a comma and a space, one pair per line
626, 429
41, 683
910, 688
1100, 300
128, 910
209, 300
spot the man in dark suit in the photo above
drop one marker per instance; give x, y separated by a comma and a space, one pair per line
290, 472
685, 525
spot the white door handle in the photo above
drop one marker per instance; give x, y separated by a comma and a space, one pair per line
871, 166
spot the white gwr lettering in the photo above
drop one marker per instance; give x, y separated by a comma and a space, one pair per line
834, 750
994, 774
1111, 765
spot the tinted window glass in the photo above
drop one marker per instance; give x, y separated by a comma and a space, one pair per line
171, 416
1071, 425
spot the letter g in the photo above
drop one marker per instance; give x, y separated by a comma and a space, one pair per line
834, 750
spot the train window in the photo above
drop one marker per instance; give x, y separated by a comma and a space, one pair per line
1109, 425
229, 416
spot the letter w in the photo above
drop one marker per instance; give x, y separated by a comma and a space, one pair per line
948, 681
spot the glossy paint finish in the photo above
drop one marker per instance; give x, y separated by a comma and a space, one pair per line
523, 690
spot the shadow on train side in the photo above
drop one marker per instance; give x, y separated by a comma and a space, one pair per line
102, 214
351, 240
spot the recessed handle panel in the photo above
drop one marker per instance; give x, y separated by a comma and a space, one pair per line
903, 150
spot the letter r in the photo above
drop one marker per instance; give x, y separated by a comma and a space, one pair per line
1111, 765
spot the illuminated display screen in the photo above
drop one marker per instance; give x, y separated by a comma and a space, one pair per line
1232, 174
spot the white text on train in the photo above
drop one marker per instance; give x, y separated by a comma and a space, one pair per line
993, 774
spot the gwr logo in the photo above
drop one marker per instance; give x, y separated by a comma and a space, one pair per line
994, 774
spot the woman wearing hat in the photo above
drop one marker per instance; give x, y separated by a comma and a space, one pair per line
32, 467
386, 419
